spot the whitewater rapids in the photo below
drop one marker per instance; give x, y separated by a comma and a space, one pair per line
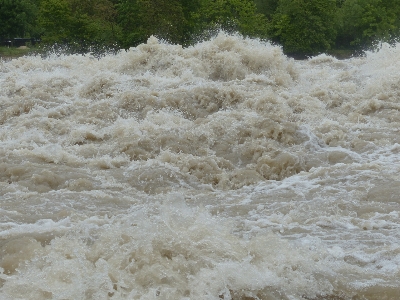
225, 170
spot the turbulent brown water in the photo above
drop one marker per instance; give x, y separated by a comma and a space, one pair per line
225, 170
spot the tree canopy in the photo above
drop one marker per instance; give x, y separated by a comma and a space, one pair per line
300, 26
238, 15
18, 18
363, 22
74, 20
304, 26
141, 18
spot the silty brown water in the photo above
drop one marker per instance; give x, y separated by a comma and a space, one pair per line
225, 170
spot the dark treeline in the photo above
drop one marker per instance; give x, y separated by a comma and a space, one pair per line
300, 26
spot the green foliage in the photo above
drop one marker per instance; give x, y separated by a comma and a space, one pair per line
140, 19
189, 8
304, 26
301, 26
362, 22
73, 20
237, 15
266, 7
18, 18
55, 18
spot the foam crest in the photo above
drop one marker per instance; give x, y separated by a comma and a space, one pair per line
225, 58
179, 253
221, 170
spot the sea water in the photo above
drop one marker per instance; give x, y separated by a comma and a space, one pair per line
225, 170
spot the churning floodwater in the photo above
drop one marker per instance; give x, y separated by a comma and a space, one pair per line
225, 170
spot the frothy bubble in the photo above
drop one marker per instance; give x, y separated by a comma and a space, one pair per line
223, 170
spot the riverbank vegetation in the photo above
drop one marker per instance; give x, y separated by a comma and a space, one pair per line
301, 27
11, 52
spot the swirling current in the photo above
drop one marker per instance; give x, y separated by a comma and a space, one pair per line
224, 170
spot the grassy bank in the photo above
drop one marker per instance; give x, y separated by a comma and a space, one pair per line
12, 52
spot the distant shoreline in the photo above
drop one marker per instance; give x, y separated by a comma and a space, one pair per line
9, 53
337, 55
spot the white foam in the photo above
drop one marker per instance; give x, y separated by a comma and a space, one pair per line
221, 170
